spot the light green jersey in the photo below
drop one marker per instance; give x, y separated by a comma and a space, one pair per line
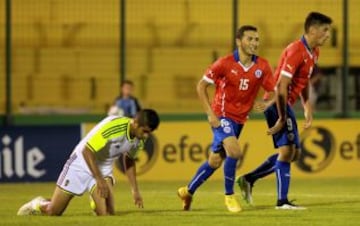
108, 140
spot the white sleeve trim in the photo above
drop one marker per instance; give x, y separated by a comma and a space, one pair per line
209, 80
285, 73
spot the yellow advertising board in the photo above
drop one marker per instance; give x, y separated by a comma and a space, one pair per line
331, 148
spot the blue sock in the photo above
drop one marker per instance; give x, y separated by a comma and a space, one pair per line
229, 175
203, 173
282, 170
263, 170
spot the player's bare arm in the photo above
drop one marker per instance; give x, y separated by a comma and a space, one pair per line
261, 106
201, 89
307, 107
101, 185
130, 171
281, 102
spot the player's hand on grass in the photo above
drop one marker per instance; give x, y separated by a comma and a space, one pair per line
277, 127
138, 201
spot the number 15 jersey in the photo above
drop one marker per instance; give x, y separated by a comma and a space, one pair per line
237, 86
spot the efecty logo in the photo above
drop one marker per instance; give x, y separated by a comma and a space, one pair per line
318, 149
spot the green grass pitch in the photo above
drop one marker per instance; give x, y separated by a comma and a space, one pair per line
329, 202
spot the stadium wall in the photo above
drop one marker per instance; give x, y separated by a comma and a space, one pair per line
331, 148
35, 153
65, 54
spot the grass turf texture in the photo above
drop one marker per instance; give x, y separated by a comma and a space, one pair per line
329, 202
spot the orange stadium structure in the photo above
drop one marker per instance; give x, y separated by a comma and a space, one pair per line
66, 53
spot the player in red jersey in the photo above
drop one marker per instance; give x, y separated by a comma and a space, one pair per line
237, 78
293, 73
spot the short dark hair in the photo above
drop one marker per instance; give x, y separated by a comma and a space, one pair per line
316, 18
127, 82
240, 32
148, 117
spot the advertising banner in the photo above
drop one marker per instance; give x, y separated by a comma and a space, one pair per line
35, 153
331, 148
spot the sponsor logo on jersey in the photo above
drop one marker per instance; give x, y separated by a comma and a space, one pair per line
258, 73
227, 129
291, 136
224, 122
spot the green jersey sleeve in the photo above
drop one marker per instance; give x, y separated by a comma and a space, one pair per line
107, 131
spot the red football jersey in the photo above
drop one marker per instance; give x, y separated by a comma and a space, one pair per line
297, 61
237, 86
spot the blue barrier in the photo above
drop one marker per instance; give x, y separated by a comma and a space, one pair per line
35, 153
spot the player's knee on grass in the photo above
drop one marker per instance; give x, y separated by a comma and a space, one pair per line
57, 204
98, 205
101, 206
53, 210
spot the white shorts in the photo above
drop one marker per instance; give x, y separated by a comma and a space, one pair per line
75, 180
